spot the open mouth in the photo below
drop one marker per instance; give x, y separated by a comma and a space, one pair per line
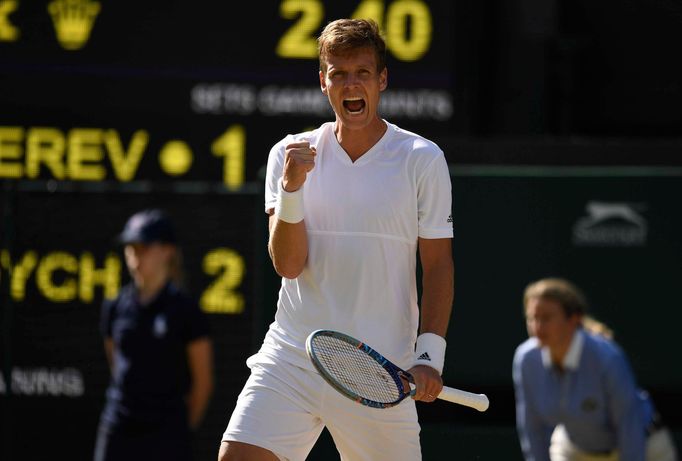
354, 105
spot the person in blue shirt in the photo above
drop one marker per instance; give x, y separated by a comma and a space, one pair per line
576, 395
157, 343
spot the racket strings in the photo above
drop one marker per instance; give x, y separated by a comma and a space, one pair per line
355, 370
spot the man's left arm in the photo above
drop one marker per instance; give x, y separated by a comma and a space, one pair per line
436, 305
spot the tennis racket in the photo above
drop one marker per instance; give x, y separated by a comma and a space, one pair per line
365, 376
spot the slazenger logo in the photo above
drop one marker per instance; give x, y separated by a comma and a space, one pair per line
609, 224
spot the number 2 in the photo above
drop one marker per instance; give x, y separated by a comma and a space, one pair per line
298, 41
220, 297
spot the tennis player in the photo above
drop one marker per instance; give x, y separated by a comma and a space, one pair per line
576, 396
350, 203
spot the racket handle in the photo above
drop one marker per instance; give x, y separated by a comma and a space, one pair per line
478, 401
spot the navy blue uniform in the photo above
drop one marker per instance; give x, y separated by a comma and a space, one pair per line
145, 416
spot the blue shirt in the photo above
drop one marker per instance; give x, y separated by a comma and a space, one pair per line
595, 397
150, 375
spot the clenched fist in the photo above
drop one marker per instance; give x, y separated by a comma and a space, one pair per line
299, 160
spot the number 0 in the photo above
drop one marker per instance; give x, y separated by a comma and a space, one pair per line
412, 47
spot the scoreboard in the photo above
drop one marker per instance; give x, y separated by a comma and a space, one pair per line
58, 261
165, 91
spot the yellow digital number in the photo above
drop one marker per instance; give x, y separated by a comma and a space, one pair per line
220, 297
407, 25
298, 41
232, 146
412, 47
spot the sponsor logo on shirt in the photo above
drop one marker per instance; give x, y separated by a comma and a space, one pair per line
160, 326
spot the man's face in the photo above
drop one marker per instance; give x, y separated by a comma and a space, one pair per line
353, 84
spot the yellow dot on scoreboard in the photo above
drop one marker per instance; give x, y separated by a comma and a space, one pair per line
176, 157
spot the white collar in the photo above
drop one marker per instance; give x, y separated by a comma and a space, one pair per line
572, 357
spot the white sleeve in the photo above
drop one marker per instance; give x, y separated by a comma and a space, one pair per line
274, 173
434, 200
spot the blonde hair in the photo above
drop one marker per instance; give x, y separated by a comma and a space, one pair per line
570, 298
346, 35
595, 326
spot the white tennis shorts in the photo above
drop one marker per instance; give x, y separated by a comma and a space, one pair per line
284, 409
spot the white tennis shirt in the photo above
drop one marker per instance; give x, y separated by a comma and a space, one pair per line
363, 219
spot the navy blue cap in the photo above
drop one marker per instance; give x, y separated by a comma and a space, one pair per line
148, 226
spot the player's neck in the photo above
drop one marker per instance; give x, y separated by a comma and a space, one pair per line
356, 142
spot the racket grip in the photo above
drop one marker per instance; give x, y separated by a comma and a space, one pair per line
478, 401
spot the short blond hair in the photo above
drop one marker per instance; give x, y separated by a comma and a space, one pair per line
344, 36
560, 290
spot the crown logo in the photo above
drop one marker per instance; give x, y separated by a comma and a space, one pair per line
73, 21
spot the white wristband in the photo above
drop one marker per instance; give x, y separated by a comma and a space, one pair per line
430, 351
289, 205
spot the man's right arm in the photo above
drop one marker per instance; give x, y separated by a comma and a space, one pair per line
288, 244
